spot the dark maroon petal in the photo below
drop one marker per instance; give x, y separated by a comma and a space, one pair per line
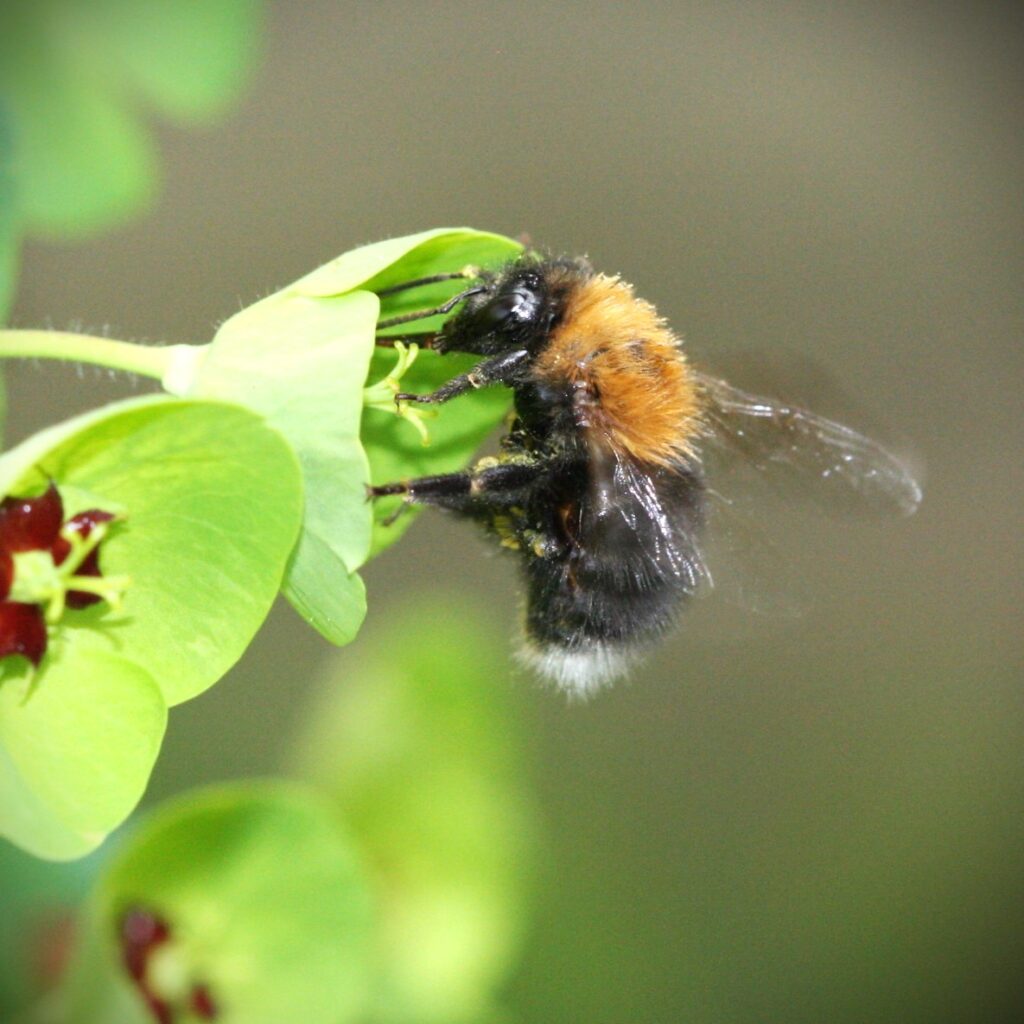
160, 1008
141, 933
6, 573
30, 523
83, 524
22, 631
60, 549
89, 567
85, 521
201, 1002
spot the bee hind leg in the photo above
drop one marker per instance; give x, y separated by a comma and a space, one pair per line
466, 492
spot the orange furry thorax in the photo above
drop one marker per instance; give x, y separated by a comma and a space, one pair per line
631, 385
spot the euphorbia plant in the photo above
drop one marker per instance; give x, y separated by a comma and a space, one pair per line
247, 477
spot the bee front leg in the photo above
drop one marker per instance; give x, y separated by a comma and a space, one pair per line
496, 370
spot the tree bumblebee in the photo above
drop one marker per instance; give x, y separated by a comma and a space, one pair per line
600, 483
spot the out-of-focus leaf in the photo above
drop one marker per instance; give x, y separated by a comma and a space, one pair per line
9, 229
190, 58
417, 743
9, 240
265, 901
38, 900
82, 158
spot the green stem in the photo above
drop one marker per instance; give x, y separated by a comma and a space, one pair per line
172, 365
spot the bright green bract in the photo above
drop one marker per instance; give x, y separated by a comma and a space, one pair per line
265, 901
76, 751
271, 444
301, 358
211, 499
301, 361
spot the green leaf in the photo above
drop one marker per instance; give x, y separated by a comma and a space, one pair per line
415, 739
395, 260
265, 901
76, 748
396, 452
394, 449
212, 498
300, 357
301, 361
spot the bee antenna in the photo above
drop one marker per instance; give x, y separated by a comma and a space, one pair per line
422, 314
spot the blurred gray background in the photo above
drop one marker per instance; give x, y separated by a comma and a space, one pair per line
811, 821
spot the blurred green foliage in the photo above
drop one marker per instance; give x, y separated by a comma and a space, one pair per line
73, 74
414, 738
266, 904
392, 888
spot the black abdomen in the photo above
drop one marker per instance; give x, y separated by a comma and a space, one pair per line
619, 561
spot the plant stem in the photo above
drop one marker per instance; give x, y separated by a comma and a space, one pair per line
172, 365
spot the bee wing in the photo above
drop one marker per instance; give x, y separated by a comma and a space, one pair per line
711, 544
839, 468
654, 533
669, 532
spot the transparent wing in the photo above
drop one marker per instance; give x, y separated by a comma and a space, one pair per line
651, 521
710, 543
791, 447
671, 534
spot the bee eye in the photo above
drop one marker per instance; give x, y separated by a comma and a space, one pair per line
520, 304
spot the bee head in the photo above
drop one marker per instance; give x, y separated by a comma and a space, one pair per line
516, 310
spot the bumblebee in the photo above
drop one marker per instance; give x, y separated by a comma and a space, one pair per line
601, 484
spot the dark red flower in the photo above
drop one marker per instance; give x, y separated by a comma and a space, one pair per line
201, 1002
37, 525
141, 932
81, 524
22, 631
28, 524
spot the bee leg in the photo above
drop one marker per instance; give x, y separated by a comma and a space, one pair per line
496, 370
466, 273
502, 484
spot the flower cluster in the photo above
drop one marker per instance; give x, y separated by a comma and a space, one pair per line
47, 565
